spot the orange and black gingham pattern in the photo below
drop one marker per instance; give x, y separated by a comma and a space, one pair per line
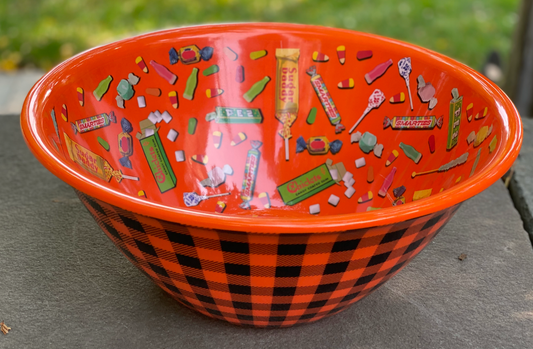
265, 280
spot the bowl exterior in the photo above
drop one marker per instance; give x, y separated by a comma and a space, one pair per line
265, 280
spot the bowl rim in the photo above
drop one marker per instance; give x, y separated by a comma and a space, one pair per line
69, 173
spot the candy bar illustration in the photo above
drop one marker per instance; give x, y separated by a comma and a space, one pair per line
158, 162
228, 115
250, 174
412, 122
93, 122
454, 122
92, 163
306, 185
287, 91
325, 99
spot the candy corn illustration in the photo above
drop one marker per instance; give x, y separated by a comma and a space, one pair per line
265, 200
320, 57
213, 92
341, 53
397, 98
470, 111
80, 95
173, 97
140, 62
238, 139
347, 83
64, 112
366, 197
392, 156
217, 139
201, 159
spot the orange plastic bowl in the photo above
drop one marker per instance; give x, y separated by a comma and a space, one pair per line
322, 205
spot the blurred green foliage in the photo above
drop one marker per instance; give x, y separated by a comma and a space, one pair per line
43, 33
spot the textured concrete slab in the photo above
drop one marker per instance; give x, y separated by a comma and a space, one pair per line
64, 285
521, 185
14, 86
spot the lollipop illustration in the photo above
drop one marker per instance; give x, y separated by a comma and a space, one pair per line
404, 67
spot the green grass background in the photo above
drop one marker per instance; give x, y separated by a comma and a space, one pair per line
43, 33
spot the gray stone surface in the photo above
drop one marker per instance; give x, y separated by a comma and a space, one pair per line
63, 284
14, 86
521, 184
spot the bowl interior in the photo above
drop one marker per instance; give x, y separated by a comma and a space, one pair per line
228, 94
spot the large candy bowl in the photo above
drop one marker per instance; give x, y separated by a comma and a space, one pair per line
270, 174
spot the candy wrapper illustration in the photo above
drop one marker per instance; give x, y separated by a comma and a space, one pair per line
125, 143
227, 115
412, 122
216, 176
456, 106
318, 145
92, 163
93, 122
325, 99
250, 174
157, 160
306, 185
426, 92
287, 91
404, 68
190, 54
376, 99
193, 199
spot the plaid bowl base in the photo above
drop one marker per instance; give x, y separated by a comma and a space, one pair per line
265, 280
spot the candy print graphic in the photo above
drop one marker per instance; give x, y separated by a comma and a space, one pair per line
198, 113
